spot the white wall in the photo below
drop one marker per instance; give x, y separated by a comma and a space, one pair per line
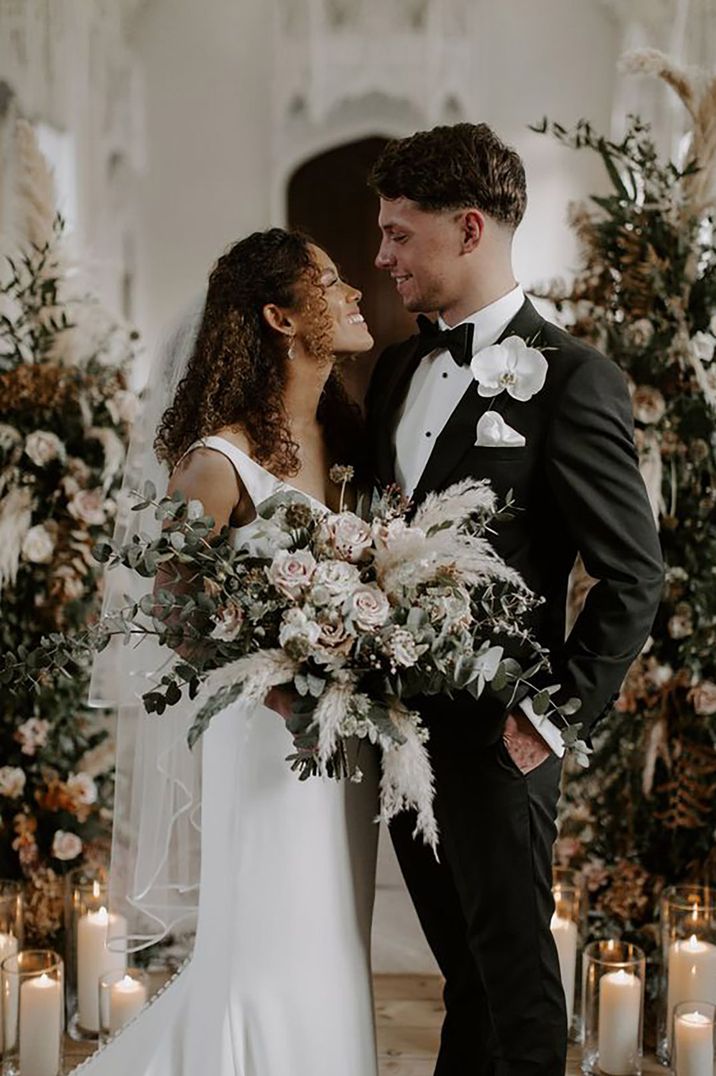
207, 87
555, 58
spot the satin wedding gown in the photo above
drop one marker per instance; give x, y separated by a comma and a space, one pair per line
279, 981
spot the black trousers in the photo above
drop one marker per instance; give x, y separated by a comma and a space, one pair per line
486, 906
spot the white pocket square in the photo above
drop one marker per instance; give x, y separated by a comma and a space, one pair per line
493, 432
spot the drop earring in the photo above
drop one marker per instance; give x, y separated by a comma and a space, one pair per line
291, 352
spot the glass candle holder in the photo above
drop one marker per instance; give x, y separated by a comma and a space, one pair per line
613, 1008
32, 986
567, 930
11, 928
11, 918
693, 1037
688, 944
89, 927
122, 995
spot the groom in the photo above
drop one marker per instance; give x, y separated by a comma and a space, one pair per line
450, 201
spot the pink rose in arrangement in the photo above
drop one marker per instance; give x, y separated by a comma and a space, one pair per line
32, 734
291, 573
334, 580
347, 535
335, 643
228, 622
369, 608
38, 545
81, 788
89, 506
66, 845
12, 781
43, 446
703, 698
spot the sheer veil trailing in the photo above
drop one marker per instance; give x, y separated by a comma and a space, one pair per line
154, 877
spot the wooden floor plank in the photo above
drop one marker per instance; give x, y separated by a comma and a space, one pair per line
409, 1014
408, 987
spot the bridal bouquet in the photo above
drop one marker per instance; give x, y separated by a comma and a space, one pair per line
354, 617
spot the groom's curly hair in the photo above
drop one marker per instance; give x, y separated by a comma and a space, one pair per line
463, 166
238, 370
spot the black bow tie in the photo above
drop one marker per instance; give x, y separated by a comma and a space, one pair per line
457, 341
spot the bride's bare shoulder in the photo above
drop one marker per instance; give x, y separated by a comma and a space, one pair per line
205, 471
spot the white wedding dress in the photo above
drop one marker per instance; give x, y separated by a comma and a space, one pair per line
279, 981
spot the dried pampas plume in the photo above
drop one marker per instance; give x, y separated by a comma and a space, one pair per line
36, 200
113, 452
697, 92
330, 712
36, 208
258, 673
15, 520
407, 782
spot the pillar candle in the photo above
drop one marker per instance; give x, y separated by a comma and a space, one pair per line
40, 1026
691, 973
619, 1020
95, 959
694, 1041
8, 947
126, 998
564, 932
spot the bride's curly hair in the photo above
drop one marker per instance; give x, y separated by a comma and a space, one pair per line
238, 370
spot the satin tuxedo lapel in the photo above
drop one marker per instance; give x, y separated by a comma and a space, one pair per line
458, 434
391, 399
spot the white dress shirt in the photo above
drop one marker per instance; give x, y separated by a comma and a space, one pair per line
435, 390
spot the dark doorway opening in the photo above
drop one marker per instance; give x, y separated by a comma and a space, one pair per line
329, 199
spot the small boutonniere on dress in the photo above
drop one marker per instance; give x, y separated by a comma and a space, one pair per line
514, 367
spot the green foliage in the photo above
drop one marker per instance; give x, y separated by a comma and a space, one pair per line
64, 422
644, 814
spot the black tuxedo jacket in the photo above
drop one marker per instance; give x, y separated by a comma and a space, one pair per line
577, 489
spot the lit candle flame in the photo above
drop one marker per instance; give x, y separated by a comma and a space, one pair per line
695, 911
95, 889
44, 980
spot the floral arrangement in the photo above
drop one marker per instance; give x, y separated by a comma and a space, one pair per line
65, 411
355, 617
645, 814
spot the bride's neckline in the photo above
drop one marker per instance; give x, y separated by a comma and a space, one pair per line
255, 463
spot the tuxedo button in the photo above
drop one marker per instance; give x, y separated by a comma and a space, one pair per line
428, 434
445, 374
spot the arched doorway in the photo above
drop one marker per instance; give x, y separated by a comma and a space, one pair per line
328, 198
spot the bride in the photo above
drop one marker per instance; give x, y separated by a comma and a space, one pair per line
279, 980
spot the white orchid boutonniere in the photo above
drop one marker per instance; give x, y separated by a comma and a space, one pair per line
512, 367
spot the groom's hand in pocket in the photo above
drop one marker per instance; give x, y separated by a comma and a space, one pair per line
525, 746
